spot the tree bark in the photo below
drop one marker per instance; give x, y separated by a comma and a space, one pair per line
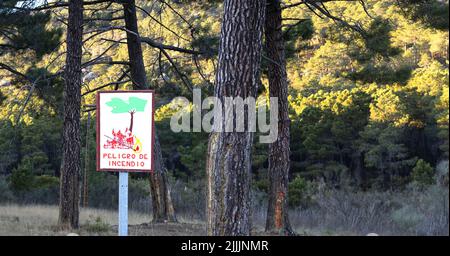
71, 158
163, 209
136, 59
279, 151
229, 153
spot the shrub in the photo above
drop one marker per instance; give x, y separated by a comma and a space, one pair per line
407, 218
45, 181
21, 179
46, 195
29, 188
97, 226
416, 210
423, 211
360, 212
423, 173
261, 184
300, 192
442, 173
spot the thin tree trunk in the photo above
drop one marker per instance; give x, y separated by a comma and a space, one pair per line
279, 162
71, 159
136, 59
160, 191
163, 210
359, 175
131, 121
229, 153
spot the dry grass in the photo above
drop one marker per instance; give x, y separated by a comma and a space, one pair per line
41, 220
335, 212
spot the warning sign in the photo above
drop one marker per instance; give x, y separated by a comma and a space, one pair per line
125, 131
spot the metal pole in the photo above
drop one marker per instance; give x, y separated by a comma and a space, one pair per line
123, 203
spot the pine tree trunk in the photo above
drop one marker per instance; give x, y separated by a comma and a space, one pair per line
279, 162
71, 158
163, 210
160, 191
229, 154
136, 59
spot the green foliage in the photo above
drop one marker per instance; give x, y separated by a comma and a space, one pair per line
296, 35
378, 39
423, 173
442, 116
363, 107
46, 181
326, 125
207, 44
9, 150
261, 184
48, 88
432, 79
193, 158
384, 151
431, 12
389, 138
6, 194
33, 34
29, 28
40, 146
300, 192
21, 180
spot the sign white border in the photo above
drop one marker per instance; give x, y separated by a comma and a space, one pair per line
151, 134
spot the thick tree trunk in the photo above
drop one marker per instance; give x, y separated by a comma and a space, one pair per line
279, 162
160, 191
71, 159
229, 153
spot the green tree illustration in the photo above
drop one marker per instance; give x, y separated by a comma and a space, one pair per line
133, 105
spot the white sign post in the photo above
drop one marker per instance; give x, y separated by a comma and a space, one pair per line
125, 139
123, 203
